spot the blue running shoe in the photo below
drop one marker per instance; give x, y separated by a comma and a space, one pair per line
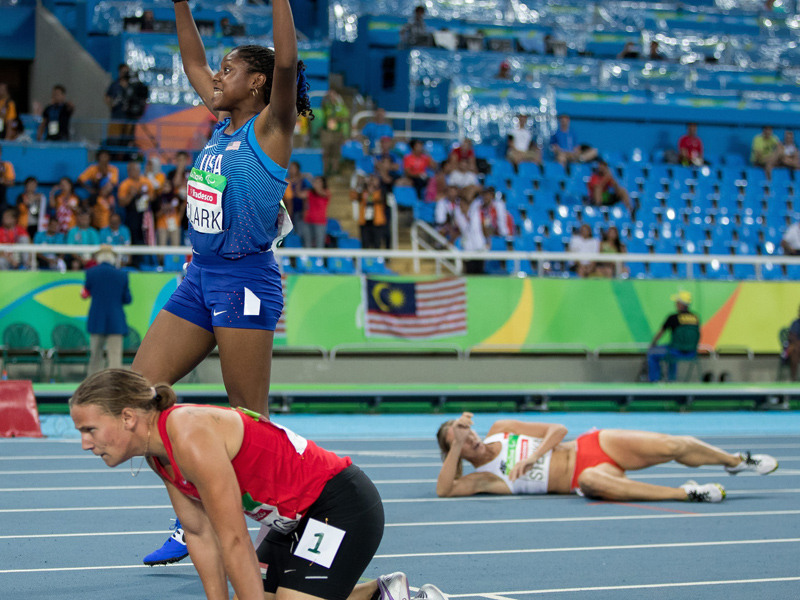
173, 550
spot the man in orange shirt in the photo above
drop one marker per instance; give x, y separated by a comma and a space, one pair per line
7, 178
97, 175
135, 195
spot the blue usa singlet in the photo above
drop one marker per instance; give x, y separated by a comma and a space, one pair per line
234, 195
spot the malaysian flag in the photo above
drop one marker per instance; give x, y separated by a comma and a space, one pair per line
423, 310
280, 328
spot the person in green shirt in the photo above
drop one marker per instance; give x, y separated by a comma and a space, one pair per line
766, 150
335, 130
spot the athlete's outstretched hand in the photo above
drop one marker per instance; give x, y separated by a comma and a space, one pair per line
461, 427
520, 469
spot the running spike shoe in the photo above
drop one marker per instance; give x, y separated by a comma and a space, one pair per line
430, 592
394, 587
708, 492
173, 550
763, 464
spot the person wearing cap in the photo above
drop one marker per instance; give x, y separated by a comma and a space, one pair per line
683, 318
108, 287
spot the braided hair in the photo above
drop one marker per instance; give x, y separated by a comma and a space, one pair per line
260, 59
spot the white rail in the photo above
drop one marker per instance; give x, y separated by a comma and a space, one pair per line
408, 117
29, 251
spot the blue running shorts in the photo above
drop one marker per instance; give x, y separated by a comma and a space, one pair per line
241, 294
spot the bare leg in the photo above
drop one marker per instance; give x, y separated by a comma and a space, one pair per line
246, 359
609, 483
634, 450
171, 348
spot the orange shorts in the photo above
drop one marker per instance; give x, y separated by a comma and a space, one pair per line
588, 453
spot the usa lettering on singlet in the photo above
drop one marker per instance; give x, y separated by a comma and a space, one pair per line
233, 195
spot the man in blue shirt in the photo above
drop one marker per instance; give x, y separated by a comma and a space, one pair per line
56, 116
85, 235
51, 236
375, 130
565, 147
106, 324
116, 234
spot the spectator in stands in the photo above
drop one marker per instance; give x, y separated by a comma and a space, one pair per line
415, 32
792, 350
468, 220
108, 287
416, 164
65, 204
628, 52
167, 210
388, 171
493, 215
611, 244
32, 208
655, 51
335, 129
148, 22
135, 195
445, 214
683, 319
790, 242
97, 175
315, 219
178, 176
296, 196
790, 157
7, 178
504, 72
11, 233
690, 147
372, 215
585, 242
127, 99
376, 130
51, 261
522, 146
564, 146
437, 187
103, 206
605, 190
56, 116
8, 114
82, 234
116, 234
465, 180
766, 150
152, 170
463, 151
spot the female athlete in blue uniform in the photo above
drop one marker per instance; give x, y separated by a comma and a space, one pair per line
231, 296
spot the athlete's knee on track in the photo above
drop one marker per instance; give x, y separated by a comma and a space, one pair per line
594, 483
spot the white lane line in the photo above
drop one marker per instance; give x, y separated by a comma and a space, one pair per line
648, 517
437, 465
643, 586
62, 569
103, 488
595, 548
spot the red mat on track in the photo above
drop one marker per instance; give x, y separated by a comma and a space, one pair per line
19, 416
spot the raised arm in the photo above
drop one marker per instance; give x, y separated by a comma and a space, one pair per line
275, 125
193, 55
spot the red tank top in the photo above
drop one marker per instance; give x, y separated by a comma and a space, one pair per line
280, 474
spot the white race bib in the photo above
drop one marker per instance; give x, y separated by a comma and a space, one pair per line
52, 127
204, 201
320, 543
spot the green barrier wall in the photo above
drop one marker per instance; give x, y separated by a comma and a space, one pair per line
330, 310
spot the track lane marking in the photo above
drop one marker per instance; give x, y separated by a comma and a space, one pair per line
643, 586
541, 520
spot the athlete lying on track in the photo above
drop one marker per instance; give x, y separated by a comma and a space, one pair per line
532, 458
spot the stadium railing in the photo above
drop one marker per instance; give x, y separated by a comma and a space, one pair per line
455, 132
452, 256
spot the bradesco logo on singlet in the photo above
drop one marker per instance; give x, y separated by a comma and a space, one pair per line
204, 200
520, 448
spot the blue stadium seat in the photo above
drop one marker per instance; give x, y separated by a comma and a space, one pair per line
530, 171
522, 266
793, 272
544, 200
174, 263
771, 272
661, 270
425, 211
637, 245
733, 160
375, 266
366, 165
292, 241
665, 246
311, 265
436, 150
717, 271
349, 243
286, 265
755, 176
352, 150
744, 272
405, 197
552, 243
341, 265
502, 168
553, 171
485, 151
636, 270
